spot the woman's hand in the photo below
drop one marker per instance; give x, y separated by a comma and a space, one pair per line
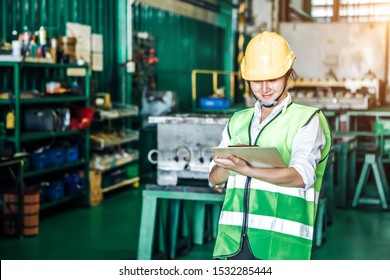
231, 162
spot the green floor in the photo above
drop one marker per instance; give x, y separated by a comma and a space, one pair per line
110, 232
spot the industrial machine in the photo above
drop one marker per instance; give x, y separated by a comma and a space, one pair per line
342, 65
339, 94
158, 103
183, 145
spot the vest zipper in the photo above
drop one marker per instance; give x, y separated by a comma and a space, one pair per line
246, 206
247, 187
247, 190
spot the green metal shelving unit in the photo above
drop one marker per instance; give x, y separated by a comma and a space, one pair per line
19, 137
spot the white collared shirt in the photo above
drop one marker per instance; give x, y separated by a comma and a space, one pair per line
307, 145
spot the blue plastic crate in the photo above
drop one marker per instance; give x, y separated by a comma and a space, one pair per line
57, 155
214, 103
74, 184
40, 160
72, 153
56, 190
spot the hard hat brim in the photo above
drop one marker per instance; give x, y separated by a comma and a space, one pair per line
257, 74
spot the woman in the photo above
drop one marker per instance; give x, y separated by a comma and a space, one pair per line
269, 213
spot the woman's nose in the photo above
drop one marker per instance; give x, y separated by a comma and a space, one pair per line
262, 86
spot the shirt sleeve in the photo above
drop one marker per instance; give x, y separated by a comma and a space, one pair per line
224, 143
306, 150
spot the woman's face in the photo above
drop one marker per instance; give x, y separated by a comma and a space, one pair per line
269, 90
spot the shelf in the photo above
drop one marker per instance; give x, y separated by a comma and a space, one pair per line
45, 100
121, 184
31, 136
30, 174
8, 63
118, 163
41, 64
65, 199
101, 144
117, 113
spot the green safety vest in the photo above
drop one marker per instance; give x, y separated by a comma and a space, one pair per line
278, 221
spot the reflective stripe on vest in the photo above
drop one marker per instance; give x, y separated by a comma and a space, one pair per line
267, 223
238, 182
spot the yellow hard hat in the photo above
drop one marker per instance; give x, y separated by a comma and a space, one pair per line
267, 56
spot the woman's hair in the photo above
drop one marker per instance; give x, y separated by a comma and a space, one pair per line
292, 74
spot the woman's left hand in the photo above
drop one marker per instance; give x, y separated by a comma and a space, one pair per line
231, 162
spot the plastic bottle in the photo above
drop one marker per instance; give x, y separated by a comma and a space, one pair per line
16, 44
42, 40
33, 47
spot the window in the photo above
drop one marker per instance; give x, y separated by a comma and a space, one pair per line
350, 10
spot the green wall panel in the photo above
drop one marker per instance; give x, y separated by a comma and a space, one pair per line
182, 44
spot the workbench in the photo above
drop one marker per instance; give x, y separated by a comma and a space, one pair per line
175, 195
